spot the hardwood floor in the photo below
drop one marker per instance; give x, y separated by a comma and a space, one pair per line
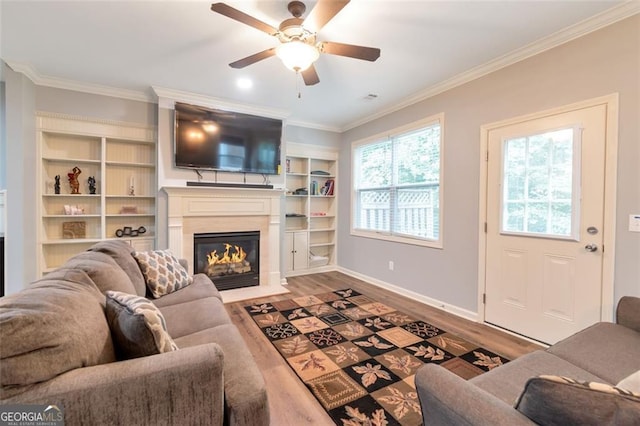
290, 401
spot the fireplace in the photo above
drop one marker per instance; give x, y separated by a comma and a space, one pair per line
230, 259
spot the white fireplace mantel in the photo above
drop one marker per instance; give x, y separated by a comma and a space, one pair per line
219, 209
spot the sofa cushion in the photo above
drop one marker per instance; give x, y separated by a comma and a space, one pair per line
121, 253
137, 326
244, 388
52, 326
631, 382
103, 271
553, 400
162, 272
594, 349
507, 381
200, 288
190, 317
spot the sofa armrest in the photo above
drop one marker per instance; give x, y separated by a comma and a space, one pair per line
628, 312
181, 387
447, 399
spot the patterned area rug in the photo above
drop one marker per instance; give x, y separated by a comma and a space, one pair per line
359, 356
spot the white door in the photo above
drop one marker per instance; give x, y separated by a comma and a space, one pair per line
545, 219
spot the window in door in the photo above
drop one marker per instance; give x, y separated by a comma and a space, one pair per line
540, 184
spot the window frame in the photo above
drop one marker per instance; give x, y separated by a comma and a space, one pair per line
397, 236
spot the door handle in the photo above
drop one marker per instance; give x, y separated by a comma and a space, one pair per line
591, 247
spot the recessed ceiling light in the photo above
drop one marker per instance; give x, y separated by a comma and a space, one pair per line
244, 83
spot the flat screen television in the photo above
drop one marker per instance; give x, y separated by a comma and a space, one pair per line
213, 139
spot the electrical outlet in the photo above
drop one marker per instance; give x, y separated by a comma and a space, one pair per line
391, 265
634, 222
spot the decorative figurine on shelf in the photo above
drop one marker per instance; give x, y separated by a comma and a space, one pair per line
132, 188
92, 185
56, 186
73, 180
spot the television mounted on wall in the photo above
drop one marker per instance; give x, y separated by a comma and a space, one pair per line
211, 139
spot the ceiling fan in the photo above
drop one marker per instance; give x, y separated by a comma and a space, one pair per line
298, 47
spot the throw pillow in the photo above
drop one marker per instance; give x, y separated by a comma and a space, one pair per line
137, 326
554, 400
162, 272
631, 382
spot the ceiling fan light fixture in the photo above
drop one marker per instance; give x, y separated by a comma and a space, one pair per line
297, 55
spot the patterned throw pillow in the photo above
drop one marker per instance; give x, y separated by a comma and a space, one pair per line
555, 400
162, 272
137, 326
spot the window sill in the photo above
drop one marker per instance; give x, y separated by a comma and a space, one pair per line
397, 239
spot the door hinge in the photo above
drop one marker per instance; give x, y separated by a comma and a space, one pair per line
485, 227
484, 298
486, 156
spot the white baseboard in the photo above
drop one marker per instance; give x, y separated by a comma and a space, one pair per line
452, 309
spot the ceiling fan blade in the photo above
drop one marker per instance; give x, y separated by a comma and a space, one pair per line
310, 76
350, 50
239, 16
253, 58
323, 12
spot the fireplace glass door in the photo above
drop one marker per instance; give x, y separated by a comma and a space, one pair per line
230, 259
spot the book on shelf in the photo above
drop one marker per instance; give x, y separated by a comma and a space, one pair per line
328, 187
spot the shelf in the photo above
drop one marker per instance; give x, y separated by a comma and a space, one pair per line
71, 241
70, 160
70, 216
73, 195
133, 197
321, 230
130, 215
128, 164
322, 196
321, 245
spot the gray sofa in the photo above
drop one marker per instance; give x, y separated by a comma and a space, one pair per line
57, 348
514, 394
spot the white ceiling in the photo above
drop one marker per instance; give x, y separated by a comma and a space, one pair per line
181, 45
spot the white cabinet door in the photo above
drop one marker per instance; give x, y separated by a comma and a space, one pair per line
297, 250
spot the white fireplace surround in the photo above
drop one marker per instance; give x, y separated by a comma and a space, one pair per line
193, 210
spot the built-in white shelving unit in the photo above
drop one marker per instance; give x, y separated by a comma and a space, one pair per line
122, 159
311, 209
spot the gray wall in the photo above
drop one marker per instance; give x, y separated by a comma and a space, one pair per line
601, 63
20, 237
3, 136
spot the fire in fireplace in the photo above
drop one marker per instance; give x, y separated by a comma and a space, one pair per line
230, 259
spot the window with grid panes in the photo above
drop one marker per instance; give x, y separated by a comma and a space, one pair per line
396, 184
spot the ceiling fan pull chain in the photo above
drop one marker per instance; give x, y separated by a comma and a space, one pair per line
298, 77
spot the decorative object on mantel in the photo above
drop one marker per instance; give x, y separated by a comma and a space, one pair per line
132, 188
73, 210
129, 210
72, 230
73, 180
128, 231
56, 186
92, 185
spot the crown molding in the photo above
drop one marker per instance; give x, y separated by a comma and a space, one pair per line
596, 22
315, 126
167, 97
61, 83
